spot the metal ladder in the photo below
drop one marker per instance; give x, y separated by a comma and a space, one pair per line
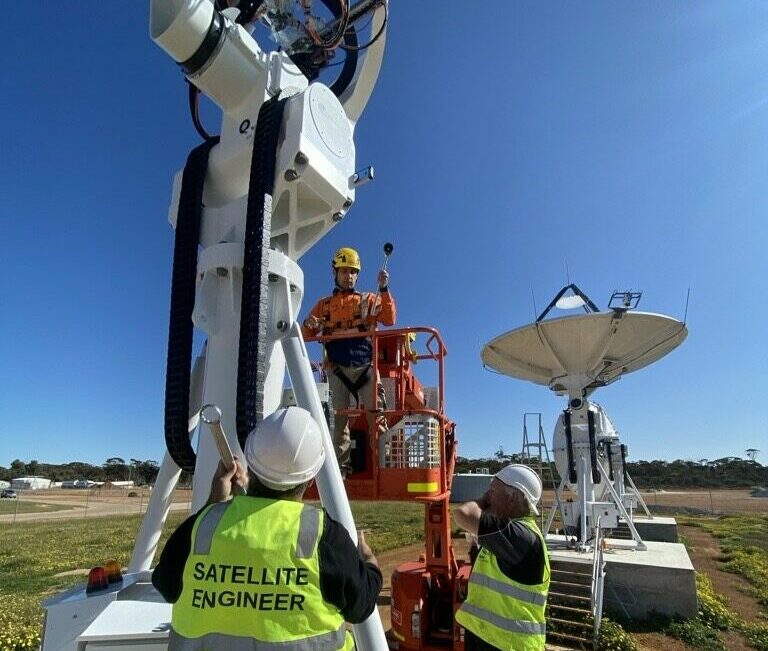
535, 454
575, 602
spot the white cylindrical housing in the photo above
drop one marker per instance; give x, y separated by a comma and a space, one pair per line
236, 69
233, 66
179, 26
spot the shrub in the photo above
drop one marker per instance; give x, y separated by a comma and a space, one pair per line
614, 638
757, 635
713, 611
752, 564
695, 633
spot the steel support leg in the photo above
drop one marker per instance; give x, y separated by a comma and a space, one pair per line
369, 635
635, 536
639, 497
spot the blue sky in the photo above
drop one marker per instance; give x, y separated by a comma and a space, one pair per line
625, 142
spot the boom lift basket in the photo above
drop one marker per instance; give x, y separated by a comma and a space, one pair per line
414, 442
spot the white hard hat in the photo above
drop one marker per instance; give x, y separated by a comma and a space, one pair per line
523, 479
285, 449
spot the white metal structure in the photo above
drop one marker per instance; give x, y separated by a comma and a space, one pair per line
573, 356
314, 187
30, 483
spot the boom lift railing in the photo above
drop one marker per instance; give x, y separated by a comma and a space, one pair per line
422, 476
395, 361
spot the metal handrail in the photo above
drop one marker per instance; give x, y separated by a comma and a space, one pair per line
598, 582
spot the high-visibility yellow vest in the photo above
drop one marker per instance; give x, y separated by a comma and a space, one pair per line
252, 582
505, 613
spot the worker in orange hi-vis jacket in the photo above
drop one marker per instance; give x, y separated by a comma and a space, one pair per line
351, 371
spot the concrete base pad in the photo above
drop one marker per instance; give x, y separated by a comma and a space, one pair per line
660, 579
656, 529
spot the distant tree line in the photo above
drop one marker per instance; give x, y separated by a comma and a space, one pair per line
139, 471
728, 472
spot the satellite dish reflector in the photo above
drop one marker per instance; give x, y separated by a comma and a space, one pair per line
591, 350
570, 302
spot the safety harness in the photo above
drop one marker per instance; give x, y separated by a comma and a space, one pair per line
354, 387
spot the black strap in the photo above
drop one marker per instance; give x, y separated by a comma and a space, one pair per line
624, 463
251, 363
354, 387
180, 327
609, 447
569, 446
596, 477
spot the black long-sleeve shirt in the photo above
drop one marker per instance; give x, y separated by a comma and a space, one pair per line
519, 553
346, 581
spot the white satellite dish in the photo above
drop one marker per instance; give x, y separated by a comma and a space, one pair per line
575, 355
597, 348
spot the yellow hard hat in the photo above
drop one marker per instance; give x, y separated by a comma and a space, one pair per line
346, 257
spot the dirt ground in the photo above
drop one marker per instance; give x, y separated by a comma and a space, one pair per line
103, 502
734, 501
109, 502
703, 555
722, 501
704, 550
92, 503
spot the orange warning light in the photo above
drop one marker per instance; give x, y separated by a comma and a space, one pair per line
114, 572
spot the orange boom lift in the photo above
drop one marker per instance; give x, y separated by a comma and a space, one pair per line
413, 460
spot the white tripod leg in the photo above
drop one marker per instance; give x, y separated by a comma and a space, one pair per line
369, 635
162, 494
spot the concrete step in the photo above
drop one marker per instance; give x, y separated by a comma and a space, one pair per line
565, 595
622, 532
567, 575
573, 567
580, 640
575, 612
567, 586
569, 612
568, 623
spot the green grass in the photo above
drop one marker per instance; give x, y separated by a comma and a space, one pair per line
8, 507
389, 525
744, 546
32, 554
